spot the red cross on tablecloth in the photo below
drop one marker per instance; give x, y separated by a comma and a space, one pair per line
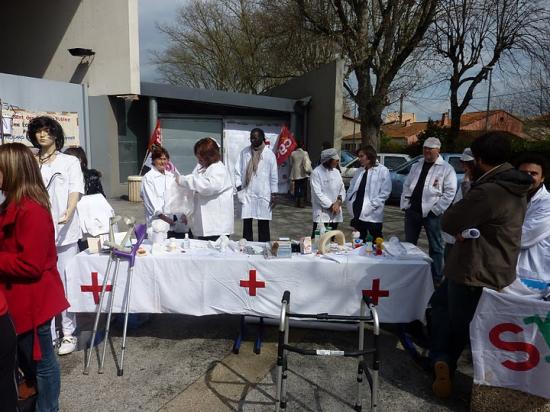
376, 292
251, 283
95, 288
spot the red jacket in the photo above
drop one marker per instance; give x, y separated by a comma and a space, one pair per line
28, 267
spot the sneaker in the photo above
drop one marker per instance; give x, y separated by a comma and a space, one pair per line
68, 345
442, 386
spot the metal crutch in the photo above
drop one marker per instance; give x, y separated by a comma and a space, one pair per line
141, 232
113, 245
97, 315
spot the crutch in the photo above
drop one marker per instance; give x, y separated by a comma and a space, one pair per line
141, 232
113, 245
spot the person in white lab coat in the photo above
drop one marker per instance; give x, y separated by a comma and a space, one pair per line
257, 183
534, 257
428, 190
369, 189
327, 191
155, 192
212, 193
65, 184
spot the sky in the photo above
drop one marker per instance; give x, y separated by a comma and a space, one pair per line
152, 12
429, 103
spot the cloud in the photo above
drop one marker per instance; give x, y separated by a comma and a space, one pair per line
152, 12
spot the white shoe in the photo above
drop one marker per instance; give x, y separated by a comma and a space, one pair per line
68, 345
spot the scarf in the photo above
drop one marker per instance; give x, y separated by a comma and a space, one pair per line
252, 167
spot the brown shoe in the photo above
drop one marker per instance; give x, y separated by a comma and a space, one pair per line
442, 386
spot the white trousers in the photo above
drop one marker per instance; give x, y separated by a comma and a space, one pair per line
68, 319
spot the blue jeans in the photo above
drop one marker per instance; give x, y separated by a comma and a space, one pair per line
414, 222
48, 375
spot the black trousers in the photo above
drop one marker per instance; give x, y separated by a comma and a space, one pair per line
8, 351
263, 230
300, 188
366, 228
453, 307
333, 225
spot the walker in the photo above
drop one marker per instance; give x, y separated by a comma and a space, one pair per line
361, 353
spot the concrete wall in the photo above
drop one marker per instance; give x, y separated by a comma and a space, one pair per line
46, 95
104, 143
325, 111
37, 35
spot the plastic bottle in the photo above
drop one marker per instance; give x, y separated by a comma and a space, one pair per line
368, 245
356, 242
315, 245
186, 242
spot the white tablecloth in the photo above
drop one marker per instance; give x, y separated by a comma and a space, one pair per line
206, 282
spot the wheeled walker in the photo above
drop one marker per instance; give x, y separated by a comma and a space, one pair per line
361, 353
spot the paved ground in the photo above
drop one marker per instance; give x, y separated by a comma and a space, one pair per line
184, 363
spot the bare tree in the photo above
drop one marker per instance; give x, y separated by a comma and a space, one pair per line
238, 45
473, 36
376, 38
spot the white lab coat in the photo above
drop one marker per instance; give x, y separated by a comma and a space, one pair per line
62, 177
377, 191
326, 186
439, 188
534, 256
213, 200
256, 197
155, 192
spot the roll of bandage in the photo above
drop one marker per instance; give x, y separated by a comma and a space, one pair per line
324, 241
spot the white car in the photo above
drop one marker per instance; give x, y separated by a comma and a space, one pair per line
390, 160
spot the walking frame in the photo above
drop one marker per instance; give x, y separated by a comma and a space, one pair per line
118, 251
361, 353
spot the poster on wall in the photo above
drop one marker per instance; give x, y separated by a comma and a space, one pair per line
15, 122
236, 136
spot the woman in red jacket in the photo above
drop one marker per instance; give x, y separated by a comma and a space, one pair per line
28, 270
8, 349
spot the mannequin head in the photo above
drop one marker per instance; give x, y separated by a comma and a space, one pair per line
45, 132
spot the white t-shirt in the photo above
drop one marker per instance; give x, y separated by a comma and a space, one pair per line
61, 177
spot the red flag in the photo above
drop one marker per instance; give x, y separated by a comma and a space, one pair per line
156, 137
285, 145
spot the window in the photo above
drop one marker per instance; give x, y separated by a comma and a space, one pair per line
392, 162
454, 161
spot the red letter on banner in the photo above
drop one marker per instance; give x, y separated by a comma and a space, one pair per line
534, 355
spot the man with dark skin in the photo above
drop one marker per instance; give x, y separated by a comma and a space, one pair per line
256, 180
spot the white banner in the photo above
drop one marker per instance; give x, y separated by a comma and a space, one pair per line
206, 283
510, 338
16, 121
236, 136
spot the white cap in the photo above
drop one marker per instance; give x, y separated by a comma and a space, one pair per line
432, 143
467, 155
329, 154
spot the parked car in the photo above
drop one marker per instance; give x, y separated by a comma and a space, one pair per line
399, 174
390, 160
346, 157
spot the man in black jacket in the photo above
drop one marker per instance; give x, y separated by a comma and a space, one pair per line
495, 205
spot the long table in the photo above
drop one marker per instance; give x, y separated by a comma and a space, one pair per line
205, 282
